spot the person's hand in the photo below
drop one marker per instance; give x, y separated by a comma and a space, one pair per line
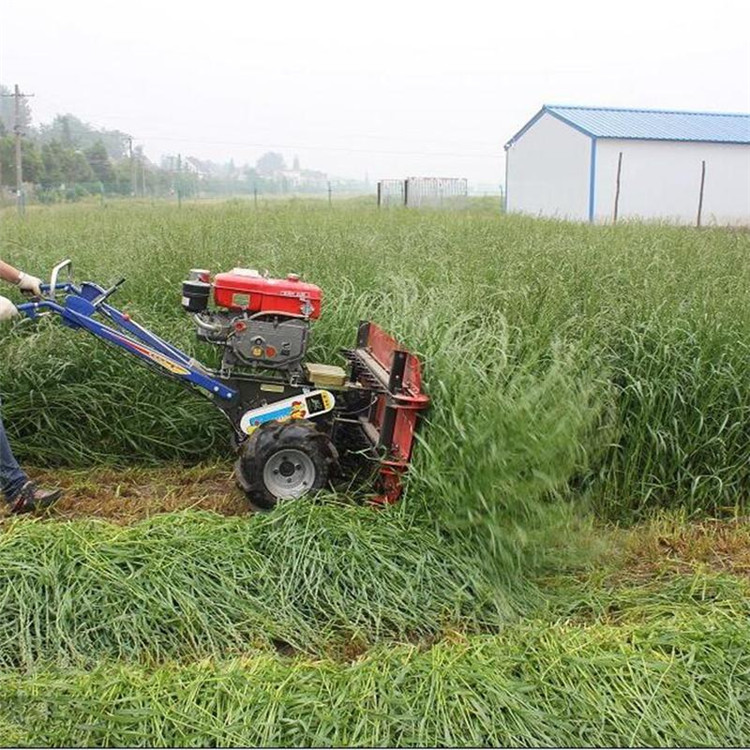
7, 309
27, 283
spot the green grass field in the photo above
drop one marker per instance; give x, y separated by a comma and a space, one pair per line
583, 379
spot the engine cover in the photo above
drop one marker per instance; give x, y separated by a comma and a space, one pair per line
271, 344
245, 289
274, 343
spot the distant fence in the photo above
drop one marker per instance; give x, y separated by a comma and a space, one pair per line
391, 192
417, 192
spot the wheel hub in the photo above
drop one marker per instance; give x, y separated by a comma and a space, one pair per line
289, 473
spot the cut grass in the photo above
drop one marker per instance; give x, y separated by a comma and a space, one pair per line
327, 579
682, 684
623, 649
316, 579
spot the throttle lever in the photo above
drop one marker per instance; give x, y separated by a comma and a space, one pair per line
108, 292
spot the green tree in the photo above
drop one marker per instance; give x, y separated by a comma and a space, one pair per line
99, 162
31, 162
76, 167
72, 131
270, 162
66, 133
53, 158
122, 180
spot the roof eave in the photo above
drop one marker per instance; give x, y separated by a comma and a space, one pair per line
531, 122
546, 109
670, 140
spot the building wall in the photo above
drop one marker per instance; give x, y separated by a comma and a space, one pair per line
661, 180
548, 171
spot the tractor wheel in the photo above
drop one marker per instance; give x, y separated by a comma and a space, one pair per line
281, 461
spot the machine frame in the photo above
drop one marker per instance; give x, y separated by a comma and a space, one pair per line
381, 400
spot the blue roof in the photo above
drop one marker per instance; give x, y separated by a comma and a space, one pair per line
649, 124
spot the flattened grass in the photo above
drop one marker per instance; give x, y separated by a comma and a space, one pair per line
193, 584
683, 684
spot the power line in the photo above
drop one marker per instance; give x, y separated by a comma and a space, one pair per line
344, 149
302, 147
144, 137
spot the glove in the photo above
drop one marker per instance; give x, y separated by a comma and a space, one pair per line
31, 284
7, 309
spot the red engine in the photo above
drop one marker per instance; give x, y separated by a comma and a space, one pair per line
245, 289
260, 322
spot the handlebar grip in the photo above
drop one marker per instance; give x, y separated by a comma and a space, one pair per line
56, 272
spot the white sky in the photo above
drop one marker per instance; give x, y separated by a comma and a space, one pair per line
389, 88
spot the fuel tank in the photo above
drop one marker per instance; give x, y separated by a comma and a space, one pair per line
244, 289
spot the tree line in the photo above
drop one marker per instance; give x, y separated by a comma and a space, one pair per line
68, 159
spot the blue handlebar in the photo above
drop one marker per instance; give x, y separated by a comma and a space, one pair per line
84, 302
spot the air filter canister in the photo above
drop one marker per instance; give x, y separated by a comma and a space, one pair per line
195, 295
199, 274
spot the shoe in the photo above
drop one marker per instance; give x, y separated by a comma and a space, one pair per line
32, 498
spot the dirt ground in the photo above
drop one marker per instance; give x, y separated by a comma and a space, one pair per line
128, 495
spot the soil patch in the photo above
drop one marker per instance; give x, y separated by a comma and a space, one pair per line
722, 546
131, 494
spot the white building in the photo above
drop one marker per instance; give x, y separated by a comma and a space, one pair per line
600, 164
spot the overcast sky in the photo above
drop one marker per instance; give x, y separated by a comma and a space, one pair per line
391, 89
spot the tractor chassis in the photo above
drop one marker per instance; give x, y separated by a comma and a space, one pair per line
380, 401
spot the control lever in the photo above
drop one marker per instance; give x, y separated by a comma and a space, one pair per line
108, 292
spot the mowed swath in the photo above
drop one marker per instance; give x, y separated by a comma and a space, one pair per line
534, 685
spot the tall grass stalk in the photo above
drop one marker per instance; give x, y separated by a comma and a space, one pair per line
615, 355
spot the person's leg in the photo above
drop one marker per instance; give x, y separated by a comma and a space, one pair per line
12, 476
21, 494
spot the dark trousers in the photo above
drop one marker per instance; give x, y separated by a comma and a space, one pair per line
12, 477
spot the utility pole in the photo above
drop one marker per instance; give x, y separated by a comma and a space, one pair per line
142, 160
133, 185
19, 158
17, 95
179, 180
700, 194
617, 189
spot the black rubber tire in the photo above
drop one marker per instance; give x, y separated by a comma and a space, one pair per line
297, 434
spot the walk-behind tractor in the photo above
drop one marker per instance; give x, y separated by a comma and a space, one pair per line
294, 422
